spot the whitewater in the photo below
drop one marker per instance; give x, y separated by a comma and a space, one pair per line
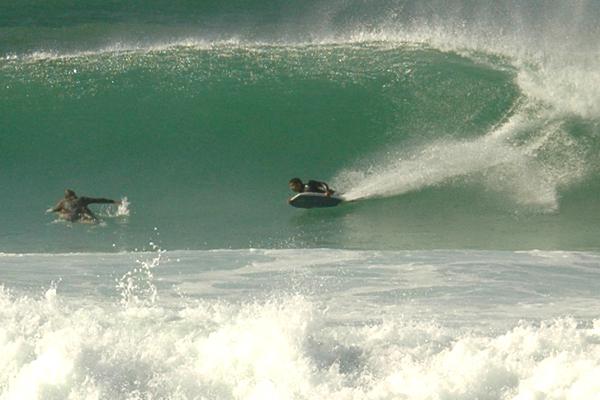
464, 265
295, 324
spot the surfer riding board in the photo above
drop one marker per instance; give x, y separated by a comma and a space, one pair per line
313, 194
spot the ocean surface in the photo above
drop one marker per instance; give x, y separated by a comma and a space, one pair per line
465, 136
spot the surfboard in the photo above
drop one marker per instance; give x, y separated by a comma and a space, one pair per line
314, 200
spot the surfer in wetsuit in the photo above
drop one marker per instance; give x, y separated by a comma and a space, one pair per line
75, 209
311, 186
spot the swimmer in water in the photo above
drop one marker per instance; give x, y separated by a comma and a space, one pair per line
75, 209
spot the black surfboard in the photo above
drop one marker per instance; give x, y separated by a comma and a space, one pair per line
314, 200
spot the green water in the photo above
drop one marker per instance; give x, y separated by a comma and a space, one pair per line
443, 148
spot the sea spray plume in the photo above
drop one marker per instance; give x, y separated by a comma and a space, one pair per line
570, 87
136, 287
429, 165
123, 209
528, 158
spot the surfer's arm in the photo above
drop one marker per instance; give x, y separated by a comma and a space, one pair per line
58, 207
327, 189
91, 200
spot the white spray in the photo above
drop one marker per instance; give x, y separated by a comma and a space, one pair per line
497, 159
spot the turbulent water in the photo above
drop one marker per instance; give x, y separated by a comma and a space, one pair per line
464, 135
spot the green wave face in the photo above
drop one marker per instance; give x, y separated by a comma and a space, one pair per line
439, 150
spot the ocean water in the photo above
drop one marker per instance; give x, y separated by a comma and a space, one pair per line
465, 135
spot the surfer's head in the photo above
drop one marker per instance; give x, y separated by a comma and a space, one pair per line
70, 194
296, 185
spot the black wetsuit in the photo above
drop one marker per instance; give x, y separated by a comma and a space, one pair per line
316, 187
76, 208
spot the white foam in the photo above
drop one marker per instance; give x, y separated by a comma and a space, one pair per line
418, 325
282, 349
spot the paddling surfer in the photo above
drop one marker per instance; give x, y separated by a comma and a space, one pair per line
75, 209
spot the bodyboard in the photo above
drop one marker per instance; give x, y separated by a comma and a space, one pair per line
314, 200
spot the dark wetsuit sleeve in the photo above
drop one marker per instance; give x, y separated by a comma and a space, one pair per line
316, 187
91, 200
